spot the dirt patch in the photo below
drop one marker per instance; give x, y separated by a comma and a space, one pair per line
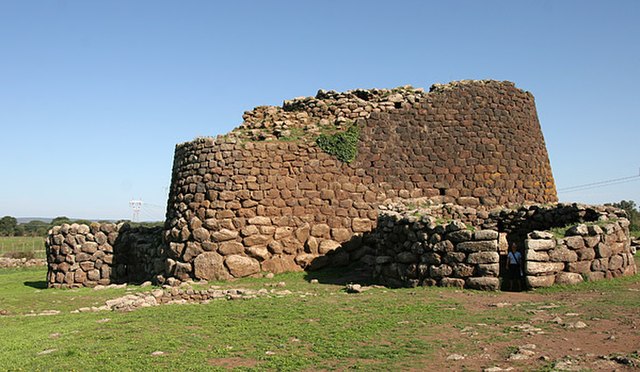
233, 362
547, 331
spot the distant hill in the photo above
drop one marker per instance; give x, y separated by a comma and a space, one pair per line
29, 219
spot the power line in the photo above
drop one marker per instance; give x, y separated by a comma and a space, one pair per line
595, 185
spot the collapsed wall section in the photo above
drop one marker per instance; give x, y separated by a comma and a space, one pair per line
267, 198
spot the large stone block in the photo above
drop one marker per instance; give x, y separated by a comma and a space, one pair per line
581, 267
542, 268
485, 235
440, 271
488, 269
540, 244
483, 258
281, 264
327, 246
565, 278
361, 225
562, 254
540, 256
478, 246
540, 281
222, 235
229, 248
241, 266
485, 283
452, 282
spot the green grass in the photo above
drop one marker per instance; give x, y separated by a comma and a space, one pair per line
327, 328
22, 244
635, 233
561, 232
318, 327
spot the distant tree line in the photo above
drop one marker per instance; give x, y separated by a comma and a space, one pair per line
9, 226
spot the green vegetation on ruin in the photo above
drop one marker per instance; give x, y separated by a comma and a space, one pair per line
319, 326
342, 145
561, 232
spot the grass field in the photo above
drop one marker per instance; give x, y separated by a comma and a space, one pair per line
319, 326
22, 244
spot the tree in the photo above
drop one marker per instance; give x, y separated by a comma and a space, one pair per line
632, 212
8, 225
60, 220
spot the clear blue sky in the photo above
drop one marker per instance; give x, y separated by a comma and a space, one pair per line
94, 95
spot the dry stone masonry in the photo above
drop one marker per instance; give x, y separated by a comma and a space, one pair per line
415, 247
266, 198
271, 197
101, 254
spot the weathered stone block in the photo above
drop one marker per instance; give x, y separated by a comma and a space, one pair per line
565, 278
459, 236
229, 248
361, 225
485, 283
461, 270
89, 247
93, 275
575, 242
540, 281
440, 271
254, 240
487, 269
615, 263
478, 246
540, 244
452, 282
593, 276
586, 254
341, 234
483, 258
241, 266
223, 235
485, 235
562, 254
260, 220
579, 267
320, 230
327, 246
210, 266
541, 268
603, 250
541, 256
281, 264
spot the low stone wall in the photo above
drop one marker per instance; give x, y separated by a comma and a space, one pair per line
6, 262
587, 252
81, 255
415, 247
412, 251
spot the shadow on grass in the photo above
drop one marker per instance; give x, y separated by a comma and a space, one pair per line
355, 273
40, 284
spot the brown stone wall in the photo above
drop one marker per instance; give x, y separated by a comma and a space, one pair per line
238, 207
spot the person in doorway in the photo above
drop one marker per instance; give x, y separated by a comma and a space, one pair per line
514, 260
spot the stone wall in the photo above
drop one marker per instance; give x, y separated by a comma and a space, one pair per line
414, 251
266, 198
587, 252
415, 247
81, 255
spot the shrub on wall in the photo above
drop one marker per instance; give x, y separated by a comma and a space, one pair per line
342, 145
